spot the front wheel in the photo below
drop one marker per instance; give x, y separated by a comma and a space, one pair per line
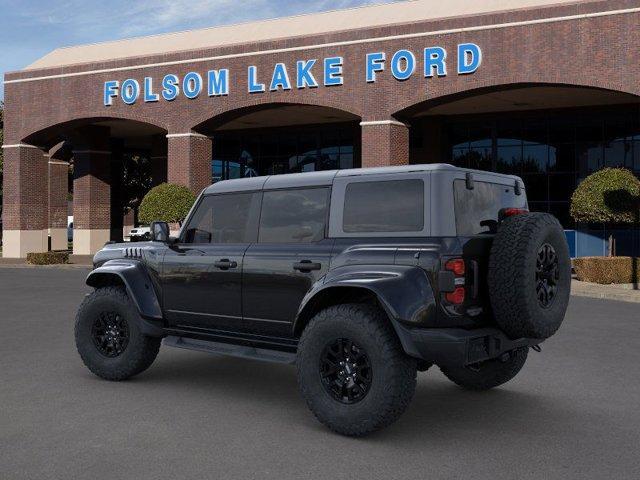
352, 370
108, 338
488, 374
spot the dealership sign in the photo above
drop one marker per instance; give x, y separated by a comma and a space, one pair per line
310, 73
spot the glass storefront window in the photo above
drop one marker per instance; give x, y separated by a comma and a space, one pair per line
509, 159
619, 153
552, 151
535, 158
250, 153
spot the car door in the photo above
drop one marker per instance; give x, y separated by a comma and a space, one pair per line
202, 273
292, 253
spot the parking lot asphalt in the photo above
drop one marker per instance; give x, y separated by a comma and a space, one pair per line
573, 412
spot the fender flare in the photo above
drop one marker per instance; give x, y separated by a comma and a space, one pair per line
135, 278
404, 292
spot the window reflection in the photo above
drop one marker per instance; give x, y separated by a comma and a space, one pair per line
551, 151
257, 152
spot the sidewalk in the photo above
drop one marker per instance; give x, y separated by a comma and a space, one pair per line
622, 292
75, 261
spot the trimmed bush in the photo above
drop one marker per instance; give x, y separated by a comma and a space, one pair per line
48, 258
607, 270
610, 195
167, 202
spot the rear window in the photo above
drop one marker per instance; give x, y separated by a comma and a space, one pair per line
385, 206
477, 209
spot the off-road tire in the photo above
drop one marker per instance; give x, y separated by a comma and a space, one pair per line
512, 276
140, 351
393, 373
489, 374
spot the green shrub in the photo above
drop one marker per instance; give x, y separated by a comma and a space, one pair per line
610, 195
607, 270
48, 258
167, 202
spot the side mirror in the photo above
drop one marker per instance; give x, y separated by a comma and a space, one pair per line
160, 232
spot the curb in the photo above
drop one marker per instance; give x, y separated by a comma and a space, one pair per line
68, 266
618, 293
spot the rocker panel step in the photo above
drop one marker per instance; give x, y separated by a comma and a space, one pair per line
241, 351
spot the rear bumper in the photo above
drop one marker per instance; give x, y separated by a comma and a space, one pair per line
458, 347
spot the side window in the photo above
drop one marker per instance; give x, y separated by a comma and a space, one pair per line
294, 216
229, 218
384, 206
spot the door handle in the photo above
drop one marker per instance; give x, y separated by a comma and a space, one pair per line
225, 264
306, 266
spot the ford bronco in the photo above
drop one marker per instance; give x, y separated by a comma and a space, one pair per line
361, 278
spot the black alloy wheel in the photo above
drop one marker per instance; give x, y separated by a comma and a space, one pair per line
547, 275
345, 371
110, 334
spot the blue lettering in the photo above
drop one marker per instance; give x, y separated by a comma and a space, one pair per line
403, 64
192, 85
130, 91
304, 77
469, 58
375, 63
149, 96
434, 57
170, 87
254, 86
333, 71
280, 78
218, 82
110, 92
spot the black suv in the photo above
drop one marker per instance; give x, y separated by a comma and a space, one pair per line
360, 277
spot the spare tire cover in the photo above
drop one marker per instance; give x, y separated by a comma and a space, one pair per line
529, 275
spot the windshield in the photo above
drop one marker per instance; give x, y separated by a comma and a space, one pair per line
477, 209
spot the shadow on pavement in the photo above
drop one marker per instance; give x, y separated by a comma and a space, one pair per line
439, 413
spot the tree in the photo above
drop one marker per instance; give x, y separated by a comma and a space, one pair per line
136, 182
609, 196
167, 202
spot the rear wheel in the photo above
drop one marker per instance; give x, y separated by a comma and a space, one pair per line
489, 374
108, 338
352, 370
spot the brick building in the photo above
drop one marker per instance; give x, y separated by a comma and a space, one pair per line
546, 89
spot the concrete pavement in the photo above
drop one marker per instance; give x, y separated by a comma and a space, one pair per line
571, 413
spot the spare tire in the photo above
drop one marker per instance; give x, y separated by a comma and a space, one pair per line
529, 275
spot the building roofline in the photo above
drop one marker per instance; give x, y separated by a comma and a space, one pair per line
310, 24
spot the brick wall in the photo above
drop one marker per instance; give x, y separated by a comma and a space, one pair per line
25, 194
593, 51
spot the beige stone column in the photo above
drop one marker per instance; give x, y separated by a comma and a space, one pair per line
25, 200
91, 189
91, 200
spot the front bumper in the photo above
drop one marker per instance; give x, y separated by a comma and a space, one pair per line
457, 346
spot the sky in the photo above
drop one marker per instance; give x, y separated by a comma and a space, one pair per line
30, 29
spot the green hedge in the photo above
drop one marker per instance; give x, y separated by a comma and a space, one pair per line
48, 258
607, 270
167, 202
610, 195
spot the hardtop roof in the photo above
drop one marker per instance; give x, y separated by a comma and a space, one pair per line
326, 178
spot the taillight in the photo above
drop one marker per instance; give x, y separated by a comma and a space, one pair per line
456, 266
510, 212
456, 297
